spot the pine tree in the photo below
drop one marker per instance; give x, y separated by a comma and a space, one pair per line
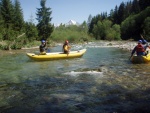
115, 15
121, 13
144, 4
1, 26
7, 12
110, 17
146, 28
43, 16
31, 31
128, 9
135, 7
89, 20
18, 25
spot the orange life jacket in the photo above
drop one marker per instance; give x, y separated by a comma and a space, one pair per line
140, 48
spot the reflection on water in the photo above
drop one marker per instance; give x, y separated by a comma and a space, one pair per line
74, 85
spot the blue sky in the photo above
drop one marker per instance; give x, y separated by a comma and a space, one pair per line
65, 10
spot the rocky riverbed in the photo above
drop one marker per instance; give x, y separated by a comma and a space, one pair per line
128, 45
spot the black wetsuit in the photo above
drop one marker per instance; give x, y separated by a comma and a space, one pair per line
42, 47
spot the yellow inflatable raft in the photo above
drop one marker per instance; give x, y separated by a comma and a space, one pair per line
141, 59
56, 55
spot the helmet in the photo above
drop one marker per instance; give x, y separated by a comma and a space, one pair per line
43, 41
140, 41
66, 41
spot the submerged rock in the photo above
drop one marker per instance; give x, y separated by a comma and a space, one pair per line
73, 73
85, 71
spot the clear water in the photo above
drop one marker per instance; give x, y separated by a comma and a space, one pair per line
73, 85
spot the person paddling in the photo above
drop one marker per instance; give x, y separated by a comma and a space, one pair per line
43, 47
140, 49
66, 47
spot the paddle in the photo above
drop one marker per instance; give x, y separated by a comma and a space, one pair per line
130, 56
147, 45
145, 42
48, 50
69, 47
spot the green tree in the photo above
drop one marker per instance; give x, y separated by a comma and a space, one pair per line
73, 33
84, 27
121, 13
128, 9
98, 32
117, 31
94, 21
144, 4
146, 28
31, 31
106, 26
135, 6
89, 20
106, 31
18, 25
7, 11
1, 26
110, 17
115, 15
132, 26
43, 16
128, 27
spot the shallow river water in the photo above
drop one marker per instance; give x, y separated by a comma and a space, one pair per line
101, 81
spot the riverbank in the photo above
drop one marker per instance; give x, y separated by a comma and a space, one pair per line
127, 45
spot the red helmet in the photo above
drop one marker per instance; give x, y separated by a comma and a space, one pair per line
66, 41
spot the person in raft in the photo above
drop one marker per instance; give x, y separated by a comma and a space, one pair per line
66, 47
43, 47
140, 49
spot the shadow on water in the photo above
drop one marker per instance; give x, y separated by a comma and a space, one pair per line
83, 94
41, 87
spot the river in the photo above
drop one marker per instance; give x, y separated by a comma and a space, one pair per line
101, 81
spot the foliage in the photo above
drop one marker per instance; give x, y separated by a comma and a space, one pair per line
31, 31
121, 13
94, 21
144, 4
131, 16
89, 20
105, 31
132, 26
146, 28
18, 17
117, 32
127, 27
10, 29
72, 33
44, 26
7, 12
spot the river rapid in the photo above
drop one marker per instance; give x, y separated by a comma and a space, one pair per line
101, 81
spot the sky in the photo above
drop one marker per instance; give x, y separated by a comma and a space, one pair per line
65, 10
